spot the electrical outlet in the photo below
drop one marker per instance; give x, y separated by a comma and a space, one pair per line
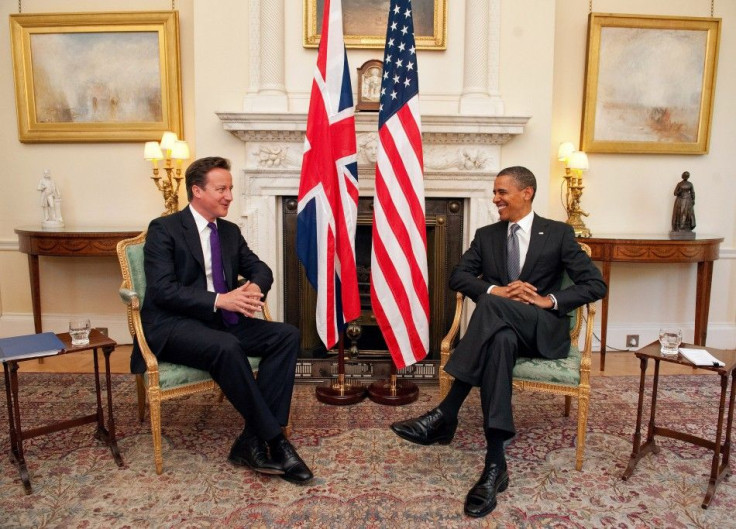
632, 340
103, 330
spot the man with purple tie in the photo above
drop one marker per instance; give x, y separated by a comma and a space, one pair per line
195, 314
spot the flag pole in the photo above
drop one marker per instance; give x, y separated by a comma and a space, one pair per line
394, 391
340, 392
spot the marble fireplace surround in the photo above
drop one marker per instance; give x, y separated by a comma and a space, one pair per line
461, 158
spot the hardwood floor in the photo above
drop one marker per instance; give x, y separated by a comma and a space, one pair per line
617, 364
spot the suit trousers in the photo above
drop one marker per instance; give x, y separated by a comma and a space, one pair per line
264, 402
500, 330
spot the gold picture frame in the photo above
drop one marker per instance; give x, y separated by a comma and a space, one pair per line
364, 23
649, 84
96, 77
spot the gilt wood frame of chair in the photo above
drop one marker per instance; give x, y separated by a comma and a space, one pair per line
162, 380
532, 374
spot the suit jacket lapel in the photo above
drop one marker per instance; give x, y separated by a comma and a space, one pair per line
191, 236
537, 240
500, 251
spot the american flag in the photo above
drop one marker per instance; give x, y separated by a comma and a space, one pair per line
328, 189
399, 292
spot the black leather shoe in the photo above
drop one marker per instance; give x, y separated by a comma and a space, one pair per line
481, 499
248, 450
295, 470
432, 427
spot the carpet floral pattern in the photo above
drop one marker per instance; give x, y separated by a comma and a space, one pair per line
365, 476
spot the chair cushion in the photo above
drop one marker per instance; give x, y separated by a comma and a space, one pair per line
564, 371
172, 376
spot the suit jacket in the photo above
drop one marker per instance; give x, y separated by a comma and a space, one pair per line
553, 250
176, 284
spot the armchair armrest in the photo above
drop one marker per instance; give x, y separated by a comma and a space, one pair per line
128, 295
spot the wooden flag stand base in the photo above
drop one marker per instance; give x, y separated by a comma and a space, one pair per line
339, 392
393, 392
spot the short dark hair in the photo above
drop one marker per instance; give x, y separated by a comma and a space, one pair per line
522, 176
196, 174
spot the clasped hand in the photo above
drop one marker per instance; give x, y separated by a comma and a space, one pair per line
246, 299
524, 292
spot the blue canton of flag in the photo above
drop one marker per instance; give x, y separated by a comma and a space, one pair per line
400, 80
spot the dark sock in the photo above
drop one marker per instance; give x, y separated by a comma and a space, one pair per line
450, 406
494, 451
272, 443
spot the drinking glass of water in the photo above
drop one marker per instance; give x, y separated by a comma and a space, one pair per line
79, 331
670, 340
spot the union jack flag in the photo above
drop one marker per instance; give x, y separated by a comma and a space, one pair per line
399, 292
328, 189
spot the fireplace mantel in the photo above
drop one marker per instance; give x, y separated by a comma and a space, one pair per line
491, 130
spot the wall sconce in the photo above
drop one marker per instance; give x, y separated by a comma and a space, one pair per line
576, 162
172, 152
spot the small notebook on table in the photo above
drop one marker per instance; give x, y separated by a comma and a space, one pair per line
30, 346
700, 357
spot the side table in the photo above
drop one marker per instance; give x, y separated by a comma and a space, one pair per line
97, 340
721, 447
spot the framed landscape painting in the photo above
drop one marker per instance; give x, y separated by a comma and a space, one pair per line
649, 84
96, 77
364, 23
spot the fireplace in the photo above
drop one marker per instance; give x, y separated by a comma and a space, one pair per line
364, 344
462, 155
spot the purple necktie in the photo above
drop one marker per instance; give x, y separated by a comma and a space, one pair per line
218, 273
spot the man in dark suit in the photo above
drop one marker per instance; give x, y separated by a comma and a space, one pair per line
195, 314
513, 271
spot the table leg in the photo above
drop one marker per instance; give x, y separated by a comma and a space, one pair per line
16, 434
702, 301
111, 439
606, 270
635, 453
35, 291
718, 471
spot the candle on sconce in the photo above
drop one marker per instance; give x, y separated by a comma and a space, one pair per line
168, 140
180, 152
152, 153
170, 148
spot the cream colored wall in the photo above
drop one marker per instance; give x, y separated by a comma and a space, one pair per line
633, 193
102, 184
542, 63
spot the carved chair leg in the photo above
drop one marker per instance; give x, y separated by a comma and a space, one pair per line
141, 390
155, 409
583, 402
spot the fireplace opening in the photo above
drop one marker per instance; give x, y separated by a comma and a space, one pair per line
364, 346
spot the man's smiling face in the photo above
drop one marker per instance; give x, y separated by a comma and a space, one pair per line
512, 202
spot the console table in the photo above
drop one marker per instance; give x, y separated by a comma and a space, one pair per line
65, 242
657, 249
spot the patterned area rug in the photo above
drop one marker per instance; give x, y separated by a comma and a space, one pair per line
365, 475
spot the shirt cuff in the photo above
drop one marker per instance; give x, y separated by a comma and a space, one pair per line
214, 308
489, 289
554, 300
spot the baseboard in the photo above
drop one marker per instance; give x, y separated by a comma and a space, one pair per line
720, 335
14, 324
